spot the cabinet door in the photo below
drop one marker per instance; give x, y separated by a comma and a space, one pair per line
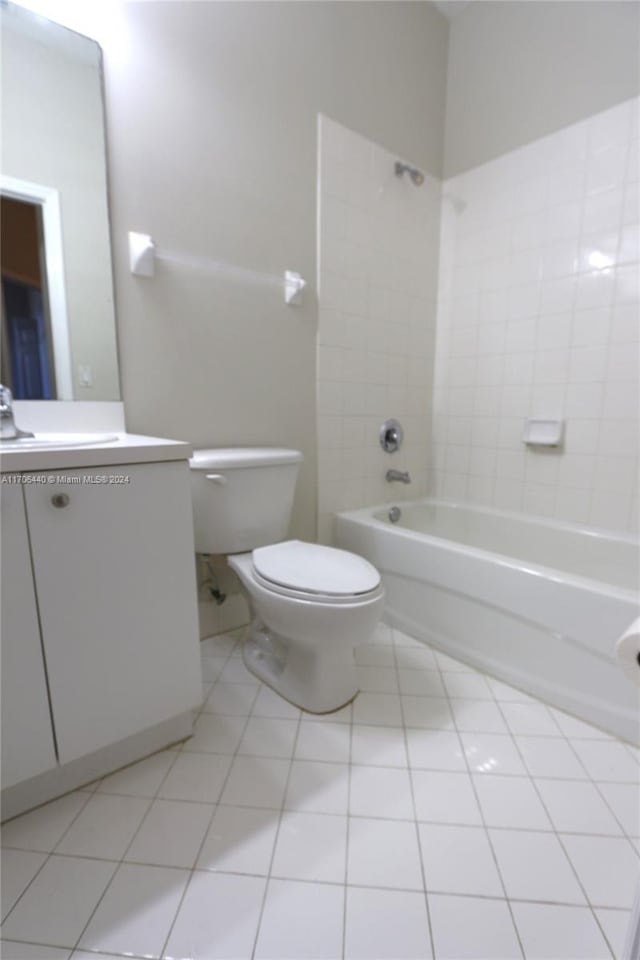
27, 738
114, 572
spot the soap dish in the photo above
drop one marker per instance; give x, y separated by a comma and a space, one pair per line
543, 433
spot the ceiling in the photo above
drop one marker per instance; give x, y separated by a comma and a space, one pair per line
451, 8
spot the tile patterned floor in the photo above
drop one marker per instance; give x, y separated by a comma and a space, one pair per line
443, 814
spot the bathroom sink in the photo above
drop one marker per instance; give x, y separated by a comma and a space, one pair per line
45, 441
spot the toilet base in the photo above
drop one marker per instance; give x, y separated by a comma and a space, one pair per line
314, 684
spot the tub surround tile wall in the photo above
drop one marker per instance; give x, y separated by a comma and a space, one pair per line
378, 239
538, 316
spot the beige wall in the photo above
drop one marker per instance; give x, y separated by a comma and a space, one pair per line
521, 70
212, 119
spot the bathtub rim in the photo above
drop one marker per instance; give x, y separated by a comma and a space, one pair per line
556, 574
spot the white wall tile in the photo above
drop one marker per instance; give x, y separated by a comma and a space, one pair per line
379, 242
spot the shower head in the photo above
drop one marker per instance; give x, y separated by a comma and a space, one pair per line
415, 175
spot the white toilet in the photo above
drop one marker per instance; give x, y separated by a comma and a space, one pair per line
311, 605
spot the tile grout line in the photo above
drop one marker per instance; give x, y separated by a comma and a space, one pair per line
152, 799
48, 853
481, 811
216, 803
268, 876
555, 830
416, 822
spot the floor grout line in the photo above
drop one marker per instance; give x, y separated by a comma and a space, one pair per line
453, 695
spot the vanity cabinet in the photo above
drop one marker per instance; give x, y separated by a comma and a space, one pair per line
27, 737
110, 577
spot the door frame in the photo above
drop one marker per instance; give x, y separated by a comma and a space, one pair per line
48, 199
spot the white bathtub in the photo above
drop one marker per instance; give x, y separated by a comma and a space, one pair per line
537, 603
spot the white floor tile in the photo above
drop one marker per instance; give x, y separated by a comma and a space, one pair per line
615, 924
378, 746
140, 779
311, 846
447, 663
196, 776
510, 802
576, 729
374, 655
445, 797
386, 924
383, 634
607, 760
459, 860
576, 807
270, 704
551, 932
402, 639
231, 699
550, 757
624, 801
268, 737
377, 679
234, 671
323, 741
105, 826
170, 834
212, 668
435, 750
608, 868
504, 692
492, 753
136, 912
478, 716
220, 645
41, 829
59, 902
377, 708
318, 787
421, 683
240, 840
415, 658
10, 950
428, 713
218, 918
380, 792
535, 867
530, 719
384, 853
18, 868
213, 733
472, 686
301, 921
466, 928
256, 782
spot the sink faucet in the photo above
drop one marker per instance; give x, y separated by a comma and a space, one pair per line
402, 476
8, 429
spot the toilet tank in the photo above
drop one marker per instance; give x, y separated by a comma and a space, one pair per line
242, 497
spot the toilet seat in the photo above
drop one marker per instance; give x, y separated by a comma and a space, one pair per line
309, 571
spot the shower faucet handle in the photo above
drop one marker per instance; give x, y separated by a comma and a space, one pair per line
391, 435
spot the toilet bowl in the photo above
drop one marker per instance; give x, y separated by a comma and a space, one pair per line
310, 605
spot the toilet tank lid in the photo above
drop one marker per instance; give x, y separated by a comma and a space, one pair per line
234, 458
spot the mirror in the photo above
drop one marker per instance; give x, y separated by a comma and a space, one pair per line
58, 320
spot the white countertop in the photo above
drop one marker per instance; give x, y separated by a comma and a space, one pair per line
128, 448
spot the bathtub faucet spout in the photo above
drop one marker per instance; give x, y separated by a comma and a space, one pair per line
402, 476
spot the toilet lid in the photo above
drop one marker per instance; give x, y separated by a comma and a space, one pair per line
311, 568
